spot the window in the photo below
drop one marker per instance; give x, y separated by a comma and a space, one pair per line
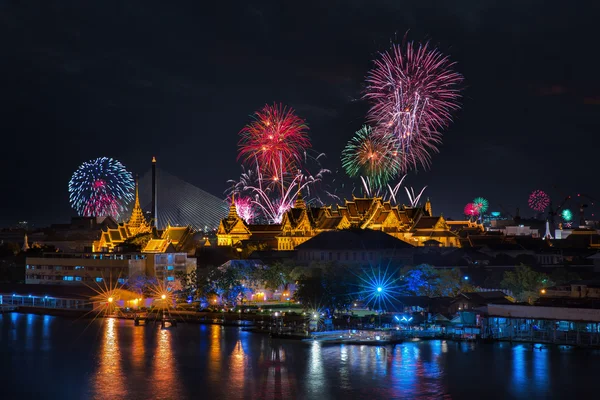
170, 268
322, 256
99, 279
170, 278
77, 278
67, 278
330, 256
57, 268
78, 267
121, 281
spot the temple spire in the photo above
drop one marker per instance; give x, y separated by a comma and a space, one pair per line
232, 209
25, 244
428, 207
137, 222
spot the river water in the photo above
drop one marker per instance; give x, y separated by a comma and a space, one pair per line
44, 357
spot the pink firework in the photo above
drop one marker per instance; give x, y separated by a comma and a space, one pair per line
244, 208
538, 200
471, 210
414, 91
276, 139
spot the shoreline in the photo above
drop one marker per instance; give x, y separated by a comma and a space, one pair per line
252, 323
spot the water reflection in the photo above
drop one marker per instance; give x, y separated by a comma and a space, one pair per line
315, 380
164, 372
138, 348
109, 380
237, 369
214, 354
218, 363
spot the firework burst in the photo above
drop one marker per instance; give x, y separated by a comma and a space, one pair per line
371, 155
101, 187
538, 200
481, 204
414, 91
276, 139
567, 215
245, 209
471, 210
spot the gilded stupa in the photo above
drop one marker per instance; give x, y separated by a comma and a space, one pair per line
137, 222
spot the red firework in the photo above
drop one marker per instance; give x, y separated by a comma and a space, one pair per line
276, 139
471, 210
413, 90
538, 200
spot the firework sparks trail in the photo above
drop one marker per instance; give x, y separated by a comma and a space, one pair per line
276, 139
414, 198
414, 91
272, 198
391, 193
101, 187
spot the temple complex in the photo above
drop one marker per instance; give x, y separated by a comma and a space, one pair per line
171, 239
414, 225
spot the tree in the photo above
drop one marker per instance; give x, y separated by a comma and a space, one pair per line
273, 276
137, 242
525, 283
562, 275
188, 281
425, 280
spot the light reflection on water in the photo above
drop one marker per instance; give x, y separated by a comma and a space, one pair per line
115, 360
109, 380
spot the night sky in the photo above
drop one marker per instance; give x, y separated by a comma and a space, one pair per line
132, 79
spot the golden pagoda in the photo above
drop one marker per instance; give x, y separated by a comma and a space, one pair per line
137, 222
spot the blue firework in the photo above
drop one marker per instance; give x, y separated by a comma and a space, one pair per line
101, 187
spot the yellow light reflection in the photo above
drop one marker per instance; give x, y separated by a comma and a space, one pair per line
164, 376
110, 380
138, 350
214, 358
237, 370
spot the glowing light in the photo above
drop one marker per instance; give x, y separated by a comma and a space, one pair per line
378, 287
276, 139
567, 215
101, 187
110, 299
471, 210
538, 200
371, 155
414, 91
481, 204
543, 291
163, 296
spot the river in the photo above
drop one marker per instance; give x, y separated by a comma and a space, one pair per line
44, 357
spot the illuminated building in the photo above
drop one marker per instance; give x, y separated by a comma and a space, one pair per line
110, 268
415, 226
83, 268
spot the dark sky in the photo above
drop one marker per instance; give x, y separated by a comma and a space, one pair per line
132, 79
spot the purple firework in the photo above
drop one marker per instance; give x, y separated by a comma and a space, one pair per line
413, 91
538, 200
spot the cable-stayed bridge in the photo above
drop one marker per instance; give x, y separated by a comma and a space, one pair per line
180, 203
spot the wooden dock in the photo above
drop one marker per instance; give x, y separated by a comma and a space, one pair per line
7, 308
